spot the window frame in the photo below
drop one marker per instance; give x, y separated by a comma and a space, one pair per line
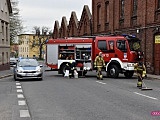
122, 4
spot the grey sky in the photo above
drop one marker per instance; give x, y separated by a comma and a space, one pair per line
45, 12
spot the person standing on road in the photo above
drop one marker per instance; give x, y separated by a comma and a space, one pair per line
99, 64
141, 73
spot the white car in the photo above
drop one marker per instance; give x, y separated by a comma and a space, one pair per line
13, 61
28, 69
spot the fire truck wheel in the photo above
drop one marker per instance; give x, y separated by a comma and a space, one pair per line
63, 69
129, 74
113, 71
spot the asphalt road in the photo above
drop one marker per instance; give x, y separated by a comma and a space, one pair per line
58, 98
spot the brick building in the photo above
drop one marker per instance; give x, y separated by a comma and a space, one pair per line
136, 17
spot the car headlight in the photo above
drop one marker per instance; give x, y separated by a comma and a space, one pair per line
19, 71
39, 70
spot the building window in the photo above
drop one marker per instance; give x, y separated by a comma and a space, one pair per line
2, 23
3, 58
157, 12
134, 8
107, 11
121, 9
158, 4
106, 15
7, 57
98, 18
6, 32
99, 14
134, 13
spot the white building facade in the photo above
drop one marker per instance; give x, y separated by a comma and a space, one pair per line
5, 10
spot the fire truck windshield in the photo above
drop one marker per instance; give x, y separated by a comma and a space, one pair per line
134, 45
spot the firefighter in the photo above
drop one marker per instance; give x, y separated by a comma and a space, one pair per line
99, 63
141, 73
73, 69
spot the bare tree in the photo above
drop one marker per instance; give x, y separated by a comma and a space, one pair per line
42, 35
16, 26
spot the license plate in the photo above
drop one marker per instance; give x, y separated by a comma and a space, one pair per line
29, 74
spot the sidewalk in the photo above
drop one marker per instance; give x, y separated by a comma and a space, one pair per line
6, 73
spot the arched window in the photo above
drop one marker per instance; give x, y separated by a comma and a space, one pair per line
158, 4
107, 11
121, 9
134, 8
99, 14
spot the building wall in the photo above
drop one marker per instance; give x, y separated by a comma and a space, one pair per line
5, 10
145, 25
29, 45
23, 45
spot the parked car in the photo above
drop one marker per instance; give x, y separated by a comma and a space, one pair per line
28, 69
13, 61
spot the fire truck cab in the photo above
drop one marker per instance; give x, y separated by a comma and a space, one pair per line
120, 53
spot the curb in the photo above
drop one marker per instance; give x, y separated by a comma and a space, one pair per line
6, 76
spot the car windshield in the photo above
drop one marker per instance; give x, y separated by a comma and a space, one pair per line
28, 63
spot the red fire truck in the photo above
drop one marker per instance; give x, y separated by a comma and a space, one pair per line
119, 53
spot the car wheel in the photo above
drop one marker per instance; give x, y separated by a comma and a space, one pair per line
15, 77
82, 73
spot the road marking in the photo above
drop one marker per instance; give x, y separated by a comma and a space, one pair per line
101, 82
20, 96
18, 83
19, 91
21, 102
145, 96
18, 87
24, 113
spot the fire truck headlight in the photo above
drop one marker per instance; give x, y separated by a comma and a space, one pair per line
130, 65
